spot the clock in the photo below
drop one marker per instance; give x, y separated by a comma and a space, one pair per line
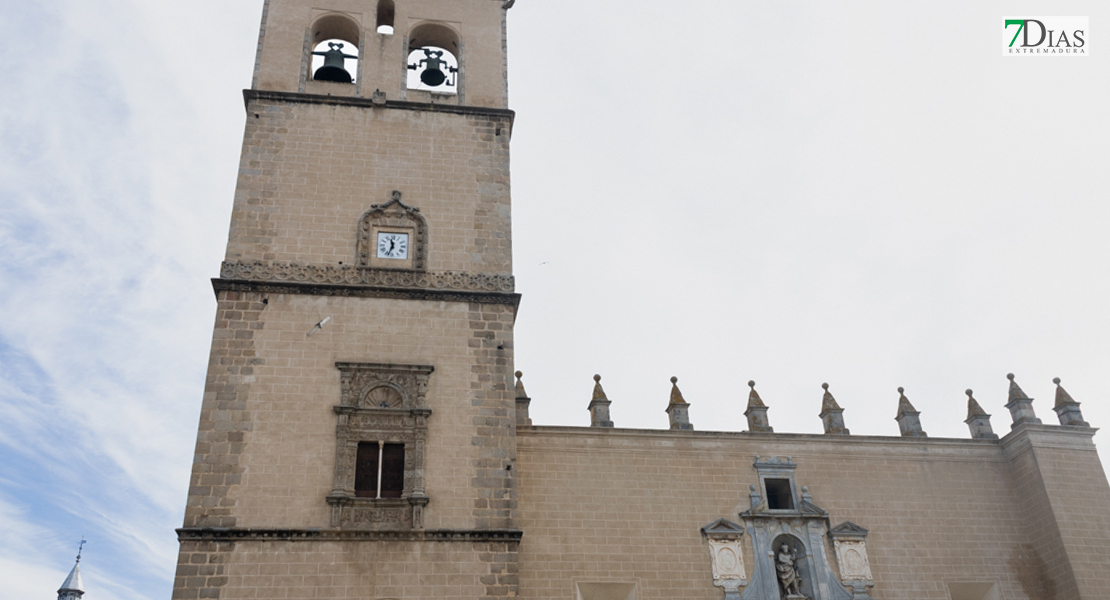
393, 245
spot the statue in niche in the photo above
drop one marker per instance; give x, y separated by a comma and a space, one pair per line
788, 573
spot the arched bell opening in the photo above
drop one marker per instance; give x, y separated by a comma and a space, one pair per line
433, 60
386, 11
335, 43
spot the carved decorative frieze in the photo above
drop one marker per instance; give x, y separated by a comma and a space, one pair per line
277, 271
376, 385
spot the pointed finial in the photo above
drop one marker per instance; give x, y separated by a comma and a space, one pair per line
973, 408
1016, 393
828, 402
754, 401
80, 548
908, 422
599, 394
676, 395
520, 393
904, 406
1062, 397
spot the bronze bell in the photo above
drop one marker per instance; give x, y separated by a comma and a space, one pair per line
432, 77
334, 62
433, 74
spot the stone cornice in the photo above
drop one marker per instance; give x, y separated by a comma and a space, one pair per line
539, 431
199, 534
483, 111
1027, 435
746, 444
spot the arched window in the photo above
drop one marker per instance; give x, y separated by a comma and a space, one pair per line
335, 43
433, 59
385, 17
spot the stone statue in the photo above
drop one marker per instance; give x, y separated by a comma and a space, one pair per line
788, 573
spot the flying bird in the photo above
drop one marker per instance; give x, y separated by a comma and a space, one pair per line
318, 326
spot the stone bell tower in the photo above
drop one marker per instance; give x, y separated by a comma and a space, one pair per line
357, 432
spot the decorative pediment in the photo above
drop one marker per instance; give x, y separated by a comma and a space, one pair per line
848, 530
723, 529
394, 201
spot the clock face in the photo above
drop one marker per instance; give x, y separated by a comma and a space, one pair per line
393, 245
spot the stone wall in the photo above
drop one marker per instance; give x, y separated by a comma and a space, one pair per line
340, 570
266, 452
627, 506
310, 170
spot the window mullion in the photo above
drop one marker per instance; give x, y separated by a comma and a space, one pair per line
381, 453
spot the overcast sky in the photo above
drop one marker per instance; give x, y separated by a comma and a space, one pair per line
864, 193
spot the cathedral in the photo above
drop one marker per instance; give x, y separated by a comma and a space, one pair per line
364, 433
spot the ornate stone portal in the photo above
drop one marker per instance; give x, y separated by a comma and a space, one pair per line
788, 534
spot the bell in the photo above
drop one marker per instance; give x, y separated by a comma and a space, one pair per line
327, 73
432, 77
334, 62
434, 65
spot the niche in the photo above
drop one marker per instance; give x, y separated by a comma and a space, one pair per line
386, 12
433, 60
796, 550
335, 43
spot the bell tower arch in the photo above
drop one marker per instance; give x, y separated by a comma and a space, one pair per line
358, 417
383, 34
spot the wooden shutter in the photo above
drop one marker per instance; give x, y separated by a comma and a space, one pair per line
366, 470
393, 470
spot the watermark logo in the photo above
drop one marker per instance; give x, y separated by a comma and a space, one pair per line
1045, 36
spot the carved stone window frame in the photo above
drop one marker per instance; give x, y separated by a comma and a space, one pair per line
393, 217
363, 418
775, 467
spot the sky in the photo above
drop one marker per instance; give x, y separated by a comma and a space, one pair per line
865, 193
